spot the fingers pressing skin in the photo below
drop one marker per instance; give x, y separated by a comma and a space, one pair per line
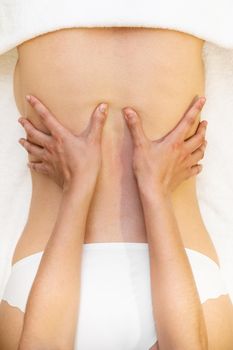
94, 130
97, 121
180, 132
135, 127
195, 169
194, 146
31, 148
46, 116
197, 139
197, 155
39, 143
63, 155
166, 162
34, 135
39, 167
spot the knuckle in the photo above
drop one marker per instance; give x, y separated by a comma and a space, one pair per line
43, 112
188, 161
30, 132
202, 138
45, 155
37, 168
31, 166
46, 144
59, 138
50, 146
43, 168
175, 145
140, 143
39, 108
183, 153
190, 119
34, 167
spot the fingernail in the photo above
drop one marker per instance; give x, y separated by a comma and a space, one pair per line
129, 114
103, 107
205, 123
203, 99
28, 97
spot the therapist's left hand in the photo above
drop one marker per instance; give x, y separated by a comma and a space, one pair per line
64, 156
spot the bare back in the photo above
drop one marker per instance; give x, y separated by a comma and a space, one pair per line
158, 72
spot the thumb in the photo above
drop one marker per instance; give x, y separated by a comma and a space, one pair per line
135, 127
97, 122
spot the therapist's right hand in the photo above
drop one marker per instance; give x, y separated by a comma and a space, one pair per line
161, 165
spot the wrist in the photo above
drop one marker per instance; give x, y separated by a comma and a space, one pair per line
79, 184
78, 190
152, 192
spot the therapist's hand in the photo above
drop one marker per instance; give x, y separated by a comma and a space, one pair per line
64, 156
163, 164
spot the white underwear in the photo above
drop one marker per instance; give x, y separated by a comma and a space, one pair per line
115, 301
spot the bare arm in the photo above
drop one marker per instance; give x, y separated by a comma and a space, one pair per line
177, 309
50, 317
52, 308
176, 305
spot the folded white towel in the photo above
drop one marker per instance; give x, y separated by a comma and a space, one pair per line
23, 20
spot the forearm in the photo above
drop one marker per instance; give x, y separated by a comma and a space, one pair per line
52, 308
176, 304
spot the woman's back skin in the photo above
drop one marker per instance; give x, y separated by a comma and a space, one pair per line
157, 72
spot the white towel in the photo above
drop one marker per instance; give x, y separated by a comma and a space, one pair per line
210, 20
